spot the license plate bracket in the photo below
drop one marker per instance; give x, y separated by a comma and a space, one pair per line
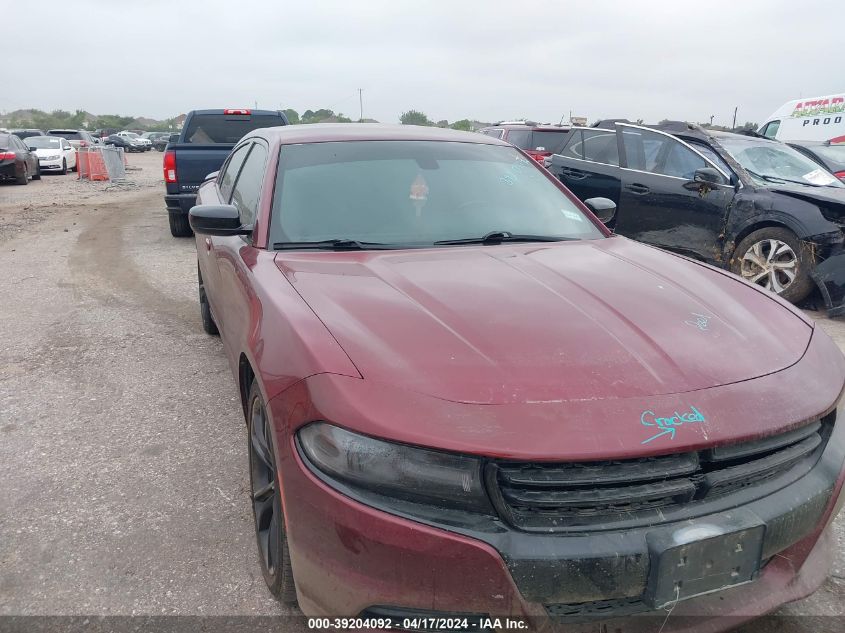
700, 557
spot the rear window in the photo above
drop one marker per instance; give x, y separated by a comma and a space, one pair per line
520, 138
71, 136
4, 140
221, 128
27, 133
549, 140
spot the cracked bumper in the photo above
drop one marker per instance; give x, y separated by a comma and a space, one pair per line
829, 275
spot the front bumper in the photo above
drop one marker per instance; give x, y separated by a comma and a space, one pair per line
180, 203
349, 557
50, 164
829, 275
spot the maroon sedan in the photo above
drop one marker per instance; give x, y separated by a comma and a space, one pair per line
466, 398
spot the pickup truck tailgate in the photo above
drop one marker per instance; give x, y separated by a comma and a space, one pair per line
195, 162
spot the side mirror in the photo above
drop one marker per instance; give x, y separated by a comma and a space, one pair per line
603, 208
211, 176
708, 175
216, 219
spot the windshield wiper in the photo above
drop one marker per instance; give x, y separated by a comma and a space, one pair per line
768, 178
497, 237
338, 245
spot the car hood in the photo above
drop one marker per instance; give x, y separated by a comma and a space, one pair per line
591, 320
831, 199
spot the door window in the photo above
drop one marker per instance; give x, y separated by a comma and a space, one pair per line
771, 129
642, 148
681, 161
247, 190
574, 147
600, 146
712, 156
647, 150
230, 171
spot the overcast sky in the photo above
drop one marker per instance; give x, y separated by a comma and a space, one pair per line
477, 59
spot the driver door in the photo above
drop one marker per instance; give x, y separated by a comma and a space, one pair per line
207, 245
660, 203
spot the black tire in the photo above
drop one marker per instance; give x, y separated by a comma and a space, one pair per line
266, 501
780, 254
208, 324
63, 172
23, 179
179, 225
75, 168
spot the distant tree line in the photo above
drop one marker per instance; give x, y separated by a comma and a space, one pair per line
411, 117
415, 117
81, 120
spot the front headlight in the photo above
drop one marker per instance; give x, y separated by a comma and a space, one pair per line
395, 470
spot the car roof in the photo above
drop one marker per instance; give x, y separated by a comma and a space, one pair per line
328, 132
692, 130
64, 131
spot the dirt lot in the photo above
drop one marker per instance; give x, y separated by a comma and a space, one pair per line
122, 447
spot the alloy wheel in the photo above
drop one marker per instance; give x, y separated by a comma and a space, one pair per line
265, 500
770, 263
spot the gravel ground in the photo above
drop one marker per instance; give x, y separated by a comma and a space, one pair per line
122, 446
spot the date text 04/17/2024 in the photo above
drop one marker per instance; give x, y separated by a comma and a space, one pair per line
418, 623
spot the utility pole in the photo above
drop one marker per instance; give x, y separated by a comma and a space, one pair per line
361, 103
735, 109
712, 116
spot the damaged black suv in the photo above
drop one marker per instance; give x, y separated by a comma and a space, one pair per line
752, 205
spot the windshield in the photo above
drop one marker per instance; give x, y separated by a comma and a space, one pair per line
770, 161
416, 193
130, 134
43, 142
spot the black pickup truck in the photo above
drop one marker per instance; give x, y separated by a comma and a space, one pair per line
206, 139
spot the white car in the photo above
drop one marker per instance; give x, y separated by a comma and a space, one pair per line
136, 140
54, 153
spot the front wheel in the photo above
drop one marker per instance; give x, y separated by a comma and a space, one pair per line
774, 257
64, 168
267, 501
37, 174
208, 323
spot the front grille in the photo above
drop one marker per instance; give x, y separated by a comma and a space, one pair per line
542, 496
613, 608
